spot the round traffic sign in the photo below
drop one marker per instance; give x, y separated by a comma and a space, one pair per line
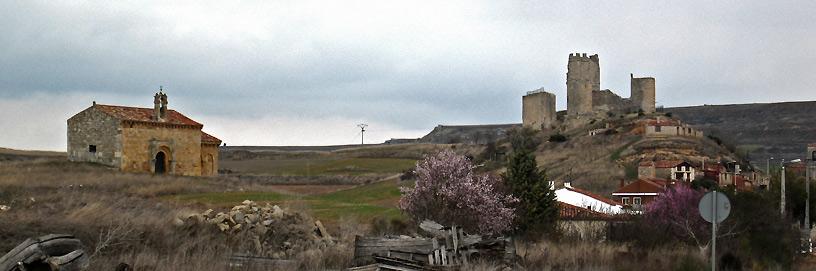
714, 203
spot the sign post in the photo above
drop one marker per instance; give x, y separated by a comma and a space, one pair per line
714, 207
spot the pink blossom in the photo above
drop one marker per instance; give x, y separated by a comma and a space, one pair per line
449, 192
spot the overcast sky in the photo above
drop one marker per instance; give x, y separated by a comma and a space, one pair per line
306, 72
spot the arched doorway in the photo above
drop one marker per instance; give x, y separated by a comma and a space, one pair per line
161, 163
207, 165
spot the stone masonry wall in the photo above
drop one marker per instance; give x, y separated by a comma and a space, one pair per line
583, 76
92, 127
538, 109
209, 160
141, 142
606, 101
643, 93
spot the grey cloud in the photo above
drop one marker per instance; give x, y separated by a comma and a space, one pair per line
457, 62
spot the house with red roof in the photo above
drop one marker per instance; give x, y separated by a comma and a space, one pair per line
142, 140
668, 127
637, 194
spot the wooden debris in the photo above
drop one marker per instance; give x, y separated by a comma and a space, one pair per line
448, 248
58, 251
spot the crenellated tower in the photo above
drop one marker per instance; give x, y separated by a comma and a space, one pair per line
583, 76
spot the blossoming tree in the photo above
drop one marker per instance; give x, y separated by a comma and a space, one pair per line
449, 192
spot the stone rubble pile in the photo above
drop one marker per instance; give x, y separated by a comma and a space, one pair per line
266, 230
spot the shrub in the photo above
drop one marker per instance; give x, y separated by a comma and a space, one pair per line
557, 138
676, 212
449, 192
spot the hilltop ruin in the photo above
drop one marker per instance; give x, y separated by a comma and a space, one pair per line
585, 99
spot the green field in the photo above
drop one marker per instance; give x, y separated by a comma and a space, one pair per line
320, 167
363, 202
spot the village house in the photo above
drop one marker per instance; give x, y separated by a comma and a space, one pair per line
142, 140
731, 174
668, 127
667, 169
583, 214
639, 193
587, 200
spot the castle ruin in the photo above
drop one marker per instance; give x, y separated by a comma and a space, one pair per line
585, 99
583, 77
538, 109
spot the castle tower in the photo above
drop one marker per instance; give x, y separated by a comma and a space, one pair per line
643, 93
583, 76
538, 109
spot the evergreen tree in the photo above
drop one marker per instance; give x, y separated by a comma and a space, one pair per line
537, 209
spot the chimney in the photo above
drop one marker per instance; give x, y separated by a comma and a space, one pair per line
568, 184
156, 108
622, 183
163, 111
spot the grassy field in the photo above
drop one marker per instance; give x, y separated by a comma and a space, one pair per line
363, 202
319, 167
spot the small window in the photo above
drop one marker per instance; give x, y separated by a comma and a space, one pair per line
658, 128
92, 148
636, 200
625, 200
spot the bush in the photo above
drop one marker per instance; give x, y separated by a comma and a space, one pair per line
558, 138
449, 192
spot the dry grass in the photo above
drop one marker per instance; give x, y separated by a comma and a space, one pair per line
122, 217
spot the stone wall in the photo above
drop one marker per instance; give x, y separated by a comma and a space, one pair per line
538, 109
92, 127
643, 93
583, 76
606, 101
209, 159
671, 130
141, 142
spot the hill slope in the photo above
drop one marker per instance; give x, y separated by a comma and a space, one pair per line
598, 163
761, 130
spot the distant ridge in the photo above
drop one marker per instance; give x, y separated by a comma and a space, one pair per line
762, 130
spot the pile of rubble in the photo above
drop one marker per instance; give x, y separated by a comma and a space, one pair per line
266, 230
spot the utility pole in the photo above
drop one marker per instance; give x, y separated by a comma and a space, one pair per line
782, 188
807, 204
362, 132
768, 172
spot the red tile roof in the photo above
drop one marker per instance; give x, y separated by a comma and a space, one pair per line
662, 122
145, 115
592, 195
644, 186
207, 138
571, 212
812, 145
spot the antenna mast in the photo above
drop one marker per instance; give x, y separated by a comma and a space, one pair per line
362, 132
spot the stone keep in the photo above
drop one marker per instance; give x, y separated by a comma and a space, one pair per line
643, 93
583, 76
142, 140
538, 109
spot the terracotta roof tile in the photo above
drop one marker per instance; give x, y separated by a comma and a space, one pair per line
144, 115
662, 122
644, 186
571, 212
207, 138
